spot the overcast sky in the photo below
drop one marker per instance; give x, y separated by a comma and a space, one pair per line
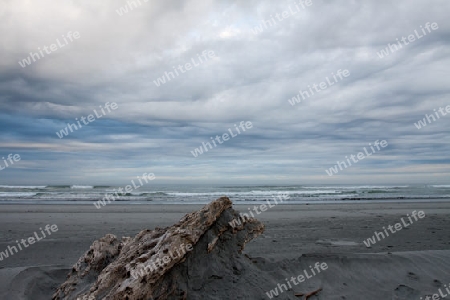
250, 78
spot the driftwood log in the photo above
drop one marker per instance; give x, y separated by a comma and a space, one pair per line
164, 263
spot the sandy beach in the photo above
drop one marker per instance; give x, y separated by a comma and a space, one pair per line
408, 264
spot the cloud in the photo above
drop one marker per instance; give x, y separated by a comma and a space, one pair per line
252, 76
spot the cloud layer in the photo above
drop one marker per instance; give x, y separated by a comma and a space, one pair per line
250, 78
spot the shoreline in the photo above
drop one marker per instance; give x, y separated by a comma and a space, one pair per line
159, 203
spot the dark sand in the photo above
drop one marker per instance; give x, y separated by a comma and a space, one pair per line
406, 266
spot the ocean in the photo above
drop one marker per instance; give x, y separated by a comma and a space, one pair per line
194, 194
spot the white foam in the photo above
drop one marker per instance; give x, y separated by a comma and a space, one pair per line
15, 195
254, 193
356, 187
23, 186
81, 187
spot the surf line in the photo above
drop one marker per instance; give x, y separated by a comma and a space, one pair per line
120, 191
